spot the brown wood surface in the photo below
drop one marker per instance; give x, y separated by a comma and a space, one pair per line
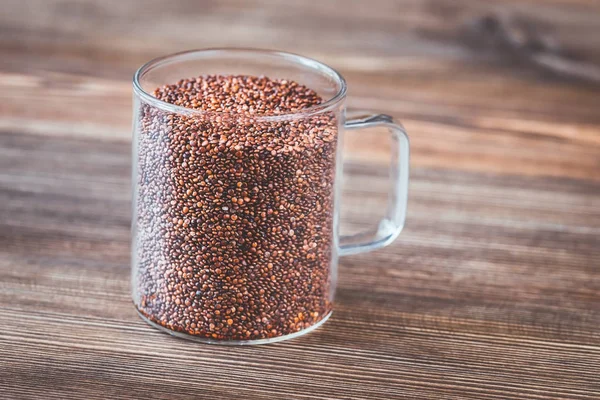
491, 292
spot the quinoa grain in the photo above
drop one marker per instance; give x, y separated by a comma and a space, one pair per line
234, 214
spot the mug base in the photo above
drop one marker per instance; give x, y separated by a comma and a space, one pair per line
200, 339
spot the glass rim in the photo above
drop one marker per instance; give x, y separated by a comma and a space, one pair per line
327, 105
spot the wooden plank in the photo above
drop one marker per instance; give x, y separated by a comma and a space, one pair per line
493, 296
475, 107
488, 139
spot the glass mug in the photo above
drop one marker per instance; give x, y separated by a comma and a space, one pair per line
235, 216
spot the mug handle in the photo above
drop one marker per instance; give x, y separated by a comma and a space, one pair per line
390, 226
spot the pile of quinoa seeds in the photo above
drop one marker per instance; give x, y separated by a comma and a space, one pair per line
233, 232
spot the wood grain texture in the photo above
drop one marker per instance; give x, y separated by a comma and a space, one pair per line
491, 292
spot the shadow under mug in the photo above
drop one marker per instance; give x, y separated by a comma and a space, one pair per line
235, 241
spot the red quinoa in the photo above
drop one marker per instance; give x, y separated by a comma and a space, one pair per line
234, 231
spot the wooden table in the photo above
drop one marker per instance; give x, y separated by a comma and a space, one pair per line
491, 292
